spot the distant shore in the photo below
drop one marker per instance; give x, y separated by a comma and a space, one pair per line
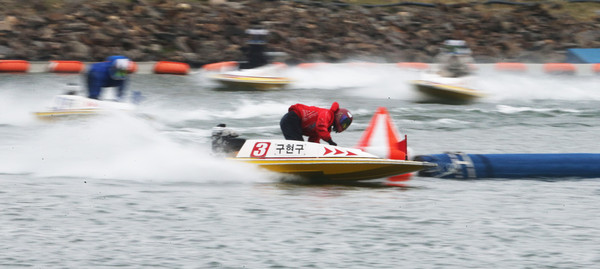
200, 32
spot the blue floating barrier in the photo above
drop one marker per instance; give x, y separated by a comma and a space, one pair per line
537, 165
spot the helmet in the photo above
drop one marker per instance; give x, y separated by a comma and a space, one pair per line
456, 47
119, 69
343, 119
257, 36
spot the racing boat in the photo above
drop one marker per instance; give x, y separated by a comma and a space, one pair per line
435, 88
70, 105
260, 78
325, 162
448, 81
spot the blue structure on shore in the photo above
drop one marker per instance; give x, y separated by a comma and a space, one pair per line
583, 56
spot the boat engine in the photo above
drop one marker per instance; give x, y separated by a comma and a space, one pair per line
225, 140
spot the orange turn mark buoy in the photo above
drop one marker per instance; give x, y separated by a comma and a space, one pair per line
174, 68
560, 68
512, 67
413, 65
383, 139
221, 66
596, 68
16, 66
65, 66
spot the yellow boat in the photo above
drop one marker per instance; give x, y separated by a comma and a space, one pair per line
341, 169
260, 78
242, 82
446, 93
380, 154
322, 162
436, 88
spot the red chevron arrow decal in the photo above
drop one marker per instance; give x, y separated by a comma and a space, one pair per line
337, 152
327, 151
349, 153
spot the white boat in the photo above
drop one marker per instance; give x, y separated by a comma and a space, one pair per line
67, 105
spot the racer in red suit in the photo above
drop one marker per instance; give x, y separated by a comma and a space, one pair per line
314, 122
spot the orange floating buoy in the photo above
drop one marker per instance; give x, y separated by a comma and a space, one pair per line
560, 68
279, 64
596, 68
220, 66
413, 65
174, 68
65, 66
311, 65
517, 67
361, 64
17, 66
133, 67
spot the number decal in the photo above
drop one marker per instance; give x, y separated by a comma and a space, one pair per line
260, 149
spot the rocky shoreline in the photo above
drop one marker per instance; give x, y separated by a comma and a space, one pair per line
200, 32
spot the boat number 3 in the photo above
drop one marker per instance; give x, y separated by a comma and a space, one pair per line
260, 149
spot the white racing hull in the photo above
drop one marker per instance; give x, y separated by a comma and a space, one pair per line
76, 106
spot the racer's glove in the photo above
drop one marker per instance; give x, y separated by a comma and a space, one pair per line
330, 141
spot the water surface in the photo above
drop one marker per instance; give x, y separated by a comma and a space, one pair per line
145, 192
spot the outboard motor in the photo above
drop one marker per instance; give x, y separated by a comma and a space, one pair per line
73, 89
225, 140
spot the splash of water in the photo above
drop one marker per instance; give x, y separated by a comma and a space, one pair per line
117, 147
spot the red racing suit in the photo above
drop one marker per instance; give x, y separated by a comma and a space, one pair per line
316, 121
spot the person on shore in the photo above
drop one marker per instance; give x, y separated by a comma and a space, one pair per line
111, 73
314, 122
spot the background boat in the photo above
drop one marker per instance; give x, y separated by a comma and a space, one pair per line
435, 88
267, 77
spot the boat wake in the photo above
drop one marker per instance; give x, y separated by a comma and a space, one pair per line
387, 81
119, 147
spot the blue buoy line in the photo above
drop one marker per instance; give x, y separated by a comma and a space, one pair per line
460, 165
